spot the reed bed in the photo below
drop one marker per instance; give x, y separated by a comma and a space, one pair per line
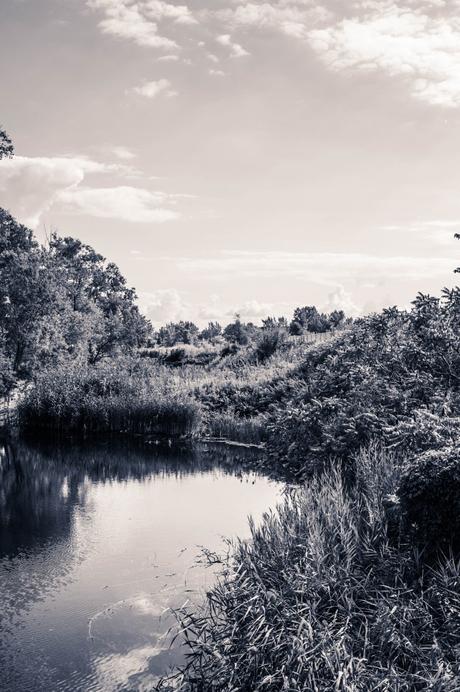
321, 598
109, 399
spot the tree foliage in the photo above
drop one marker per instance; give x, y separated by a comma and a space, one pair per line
61, 301
6, 145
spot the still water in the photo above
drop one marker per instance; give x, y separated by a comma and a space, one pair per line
97, 544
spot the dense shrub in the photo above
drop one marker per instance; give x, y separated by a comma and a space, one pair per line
429, 492
270, 341
392, 376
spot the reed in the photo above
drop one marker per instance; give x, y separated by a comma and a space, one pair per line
322, 599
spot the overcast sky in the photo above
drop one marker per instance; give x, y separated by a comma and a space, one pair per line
240, 156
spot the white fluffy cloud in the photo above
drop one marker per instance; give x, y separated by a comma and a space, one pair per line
287, 16
32, 186
341, 299
236, 51
151, 90
139, 21
255, 311
170, 305
409, 40
123, 153
417, 41
123, 203
164, 305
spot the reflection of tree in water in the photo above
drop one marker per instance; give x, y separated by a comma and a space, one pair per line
41, 483
37, 498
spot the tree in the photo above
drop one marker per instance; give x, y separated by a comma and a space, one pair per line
97, 290
337, 318
275, 323
183, 332
211, 332
27, 296
6, 145
236, 332
186, 332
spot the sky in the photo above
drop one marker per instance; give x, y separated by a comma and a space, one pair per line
236, 156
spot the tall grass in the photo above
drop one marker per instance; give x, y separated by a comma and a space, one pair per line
320, 599
108, 399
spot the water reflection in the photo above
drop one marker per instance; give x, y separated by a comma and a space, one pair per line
97, 542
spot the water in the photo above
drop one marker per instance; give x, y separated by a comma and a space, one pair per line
97, 543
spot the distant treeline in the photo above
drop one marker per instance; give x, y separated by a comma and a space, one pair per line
304, 320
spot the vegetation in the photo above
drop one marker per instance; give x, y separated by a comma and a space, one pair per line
323, 598
354, 582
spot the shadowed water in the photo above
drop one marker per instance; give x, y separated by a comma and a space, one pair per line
97, 543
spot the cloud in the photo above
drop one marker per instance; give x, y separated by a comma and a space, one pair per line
324, 268
414, 41
123, 153
33, 185
152, 89
139, 21
341, 299
164, 305
117, 669
158, 10
408, 40
437, 231
168, 58
236, 51
124, 19
291, 18
216, 73
123, 203
255, 311
169, 305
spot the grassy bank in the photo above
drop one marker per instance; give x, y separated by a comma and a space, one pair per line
228, 398
393, 376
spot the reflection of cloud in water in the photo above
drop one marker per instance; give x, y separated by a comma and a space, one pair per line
115, 671
133, 643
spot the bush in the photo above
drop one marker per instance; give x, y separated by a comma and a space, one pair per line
269, 342
429, 493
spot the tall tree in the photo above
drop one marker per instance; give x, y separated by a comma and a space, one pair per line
26, 293
93, 287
